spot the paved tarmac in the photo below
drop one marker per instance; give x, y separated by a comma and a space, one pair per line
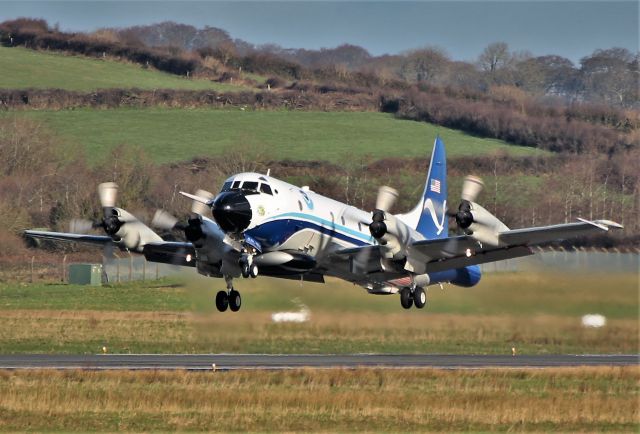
290, 361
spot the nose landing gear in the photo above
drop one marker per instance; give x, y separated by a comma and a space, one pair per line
247, 267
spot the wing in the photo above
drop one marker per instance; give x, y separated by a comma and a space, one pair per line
464, 250
545, 234
175, 253
460, 251
65, 236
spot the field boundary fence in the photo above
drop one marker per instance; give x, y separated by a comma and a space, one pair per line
137, 268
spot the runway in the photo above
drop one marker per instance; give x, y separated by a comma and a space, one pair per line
292, 361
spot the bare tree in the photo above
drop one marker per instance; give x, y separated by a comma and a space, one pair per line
494, 57
425, 65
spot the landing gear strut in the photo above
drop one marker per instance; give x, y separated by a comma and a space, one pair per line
228, 299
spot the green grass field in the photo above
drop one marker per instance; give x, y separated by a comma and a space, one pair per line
536, 313
22, 68
180, 134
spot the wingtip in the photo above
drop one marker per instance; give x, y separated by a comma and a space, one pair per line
605, 225
610, 223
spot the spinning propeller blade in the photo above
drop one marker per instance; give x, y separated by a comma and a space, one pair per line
108, 192
387, 196
163, 220
80, 226
471, 188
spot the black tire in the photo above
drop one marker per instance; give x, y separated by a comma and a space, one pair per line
244, 270
235, 301
222, 301
405, 298
253, 271
419, 298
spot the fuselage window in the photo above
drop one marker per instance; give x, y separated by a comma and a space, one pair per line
226, 186
359, 226
342, 220
265, 189
250, 185
300, 205
236, 185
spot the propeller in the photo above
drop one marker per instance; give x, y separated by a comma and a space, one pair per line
197, 207
110, 222
166, 221
385, 200
472, 219
471, 189
163, 220
387, 196
108, 192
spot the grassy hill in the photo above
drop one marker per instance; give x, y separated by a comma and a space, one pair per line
181, 134
21, 68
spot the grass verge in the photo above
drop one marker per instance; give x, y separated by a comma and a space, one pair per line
536, 313
571, 400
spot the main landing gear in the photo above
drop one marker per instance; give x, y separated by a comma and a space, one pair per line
230, 298
409, 297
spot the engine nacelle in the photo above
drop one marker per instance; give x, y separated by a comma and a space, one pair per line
211, 246
133, 233
485, 226
396, 238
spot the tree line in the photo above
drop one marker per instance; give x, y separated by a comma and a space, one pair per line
608, 76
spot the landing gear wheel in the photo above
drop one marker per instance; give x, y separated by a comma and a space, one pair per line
405, 298
222, 301
253, 271
245, 270
419, 298
235, 301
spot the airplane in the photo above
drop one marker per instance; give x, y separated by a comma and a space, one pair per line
260, 225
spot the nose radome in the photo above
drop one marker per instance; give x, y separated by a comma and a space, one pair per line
232, 211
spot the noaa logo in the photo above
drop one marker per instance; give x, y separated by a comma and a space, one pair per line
428, 205
261, 211
307, 200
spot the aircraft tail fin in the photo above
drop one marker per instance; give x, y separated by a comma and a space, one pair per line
432, 220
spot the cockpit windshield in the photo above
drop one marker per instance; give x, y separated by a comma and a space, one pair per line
250, 185
247, 186
264, 188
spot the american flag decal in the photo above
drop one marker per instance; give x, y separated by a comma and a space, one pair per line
435, 186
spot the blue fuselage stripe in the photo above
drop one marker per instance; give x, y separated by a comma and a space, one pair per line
280, 228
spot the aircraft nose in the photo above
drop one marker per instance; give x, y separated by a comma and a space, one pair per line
232, 211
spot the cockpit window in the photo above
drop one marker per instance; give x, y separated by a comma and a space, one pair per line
265, 189
236, 184
250, 185
226, 186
